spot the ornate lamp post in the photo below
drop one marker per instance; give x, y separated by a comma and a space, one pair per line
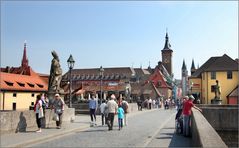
70, 63
101, 77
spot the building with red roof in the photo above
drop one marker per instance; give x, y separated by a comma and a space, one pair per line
20, 86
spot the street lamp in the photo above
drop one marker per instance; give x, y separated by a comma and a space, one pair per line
70, 63
101, 77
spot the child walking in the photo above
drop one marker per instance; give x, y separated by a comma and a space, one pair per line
120, 116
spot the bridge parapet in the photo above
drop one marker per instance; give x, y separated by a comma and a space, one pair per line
203, 134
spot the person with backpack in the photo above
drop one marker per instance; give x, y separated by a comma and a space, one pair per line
125, 106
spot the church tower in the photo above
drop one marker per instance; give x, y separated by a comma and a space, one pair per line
167, 55
193, 69
24, 57
184, 79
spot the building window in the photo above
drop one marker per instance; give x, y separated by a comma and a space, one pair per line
229, 74
21, 84
14, 106
14, 94
213, 88
9, 83
213, 75
30, 84
33, 95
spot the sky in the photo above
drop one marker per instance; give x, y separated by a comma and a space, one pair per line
117, 34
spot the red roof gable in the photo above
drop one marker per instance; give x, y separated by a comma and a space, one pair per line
18, 82
158, 80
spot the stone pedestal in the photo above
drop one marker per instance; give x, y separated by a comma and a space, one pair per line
216, 101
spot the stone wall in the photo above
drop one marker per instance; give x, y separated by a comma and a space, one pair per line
221, 116
203, 134
20, 121
224, 119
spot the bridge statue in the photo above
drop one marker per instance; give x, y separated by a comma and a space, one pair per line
217, 91
55, 77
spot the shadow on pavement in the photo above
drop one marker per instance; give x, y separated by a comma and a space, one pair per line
97, 130
178, 140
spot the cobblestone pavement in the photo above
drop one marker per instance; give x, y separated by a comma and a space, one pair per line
153, 128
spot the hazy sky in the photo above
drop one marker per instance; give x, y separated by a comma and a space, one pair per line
117, 34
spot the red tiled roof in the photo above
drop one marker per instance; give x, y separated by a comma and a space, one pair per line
156, 78
18, 82
234, 92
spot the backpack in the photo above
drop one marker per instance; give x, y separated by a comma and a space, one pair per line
125, 106
43, 104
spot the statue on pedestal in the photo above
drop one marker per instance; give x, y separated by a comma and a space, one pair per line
55, 76
217, 90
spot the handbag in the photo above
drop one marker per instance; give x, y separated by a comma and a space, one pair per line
55, 117
40, 114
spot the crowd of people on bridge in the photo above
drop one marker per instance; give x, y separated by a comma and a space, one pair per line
108, 110
120, 107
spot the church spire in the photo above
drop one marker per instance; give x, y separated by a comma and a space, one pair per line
24, 58
167, 45
193, 65
193, 69
184, 65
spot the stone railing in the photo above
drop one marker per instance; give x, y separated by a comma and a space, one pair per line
203, 134
224, 119
21, 121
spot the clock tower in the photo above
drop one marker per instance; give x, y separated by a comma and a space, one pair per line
167, 55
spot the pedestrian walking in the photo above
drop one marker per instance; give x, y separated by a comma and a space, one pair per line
150, 103
154, 103
187, 111
139, 103
58, 106
112, 110
120, 116
44, 106
39, 112
125, 106
102, 111
93, 104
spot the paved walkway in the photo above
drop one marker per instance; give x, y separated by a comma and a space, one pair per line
81, 123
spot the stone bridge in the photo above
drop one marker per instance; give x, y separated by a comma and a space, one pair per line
216, 126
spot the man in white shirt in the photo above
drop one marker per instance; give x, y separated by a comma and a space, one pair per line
112, 109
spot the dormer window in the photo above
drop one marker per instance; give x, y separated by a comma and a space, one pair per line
31, 85
39, 85
9, 83
21, 84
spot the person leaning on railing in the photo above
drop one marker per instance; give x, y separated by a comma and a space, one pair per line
187, 111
